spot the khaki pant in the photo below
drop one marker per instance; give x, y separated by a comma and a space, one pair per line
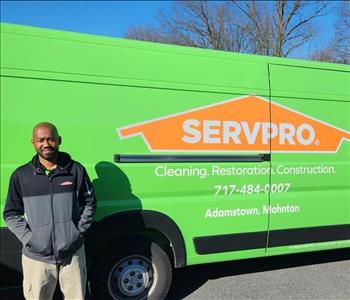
40, 278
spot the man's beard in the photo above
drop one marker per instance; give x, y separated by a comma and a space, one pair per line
50, 156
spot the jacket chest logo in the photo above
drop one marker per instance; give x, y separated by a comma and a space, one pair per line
67, 183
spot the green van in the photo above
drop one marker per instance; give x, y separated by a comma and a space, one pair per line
196, 155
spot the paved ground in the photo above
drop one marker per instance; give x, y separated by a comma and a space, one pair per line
320, 275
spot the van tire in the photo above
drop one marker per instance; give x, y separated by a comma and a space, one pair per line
132, 270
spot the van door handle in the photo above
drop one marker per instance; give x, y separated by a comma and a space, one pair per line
149, 158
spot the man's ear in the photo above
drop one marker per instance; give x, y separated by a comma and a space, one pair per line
59, 140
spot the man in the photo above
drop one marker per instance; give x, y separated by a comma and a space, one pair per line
49, 207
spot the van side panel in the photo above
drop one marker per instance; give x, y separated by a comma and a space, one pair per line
319, 194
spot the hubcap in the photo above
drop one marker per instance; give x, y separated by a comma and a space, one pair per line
131, 277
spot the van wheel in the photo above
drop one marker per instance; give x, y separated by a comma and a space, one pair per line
137, 270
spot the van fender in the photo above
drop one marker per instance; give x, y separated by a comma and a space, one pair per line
134, 221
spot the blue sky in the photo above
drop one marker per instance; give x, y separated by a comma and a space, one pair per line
110, 18
98, 17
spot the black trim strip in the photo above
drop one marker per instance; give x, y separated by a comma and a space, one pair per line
298, 236
230, 242
277, 238
134, 158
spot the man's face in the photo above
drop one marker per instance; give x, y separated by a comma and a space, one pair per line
46, 142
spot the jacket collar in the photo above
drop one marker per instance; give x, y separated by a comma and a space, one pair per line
63, 165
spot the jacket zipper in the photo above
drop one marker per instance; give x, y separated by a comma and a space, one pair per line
53, 220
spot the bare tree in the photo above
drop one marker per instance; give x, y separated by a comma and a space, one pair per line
276, 27
153, 34
342, 33
338, 49
202, 24
144, 33
325, 54
279, 27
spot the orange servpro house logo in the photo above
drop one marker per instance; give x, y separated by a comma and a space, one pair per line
238, 125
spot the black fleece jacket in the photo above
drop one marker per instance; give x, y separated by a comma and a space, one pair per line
50, 213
